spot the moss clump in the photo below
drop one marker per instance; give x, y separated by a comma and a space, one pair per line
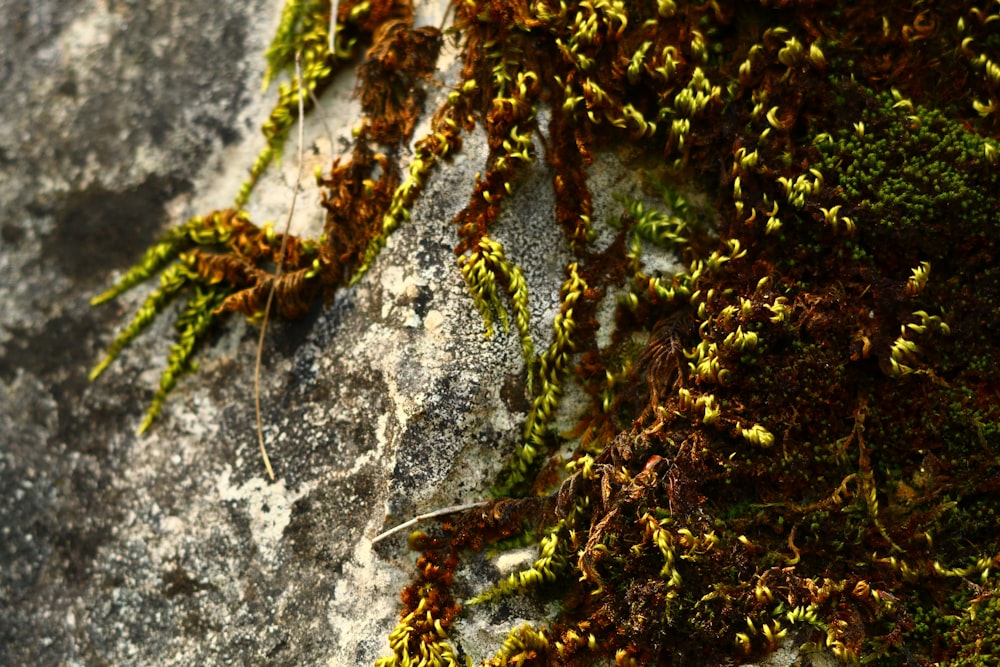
806, 445
977, 633
906, 165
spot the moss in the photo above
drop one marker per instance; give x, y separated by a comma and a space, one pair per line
976, 633
902, 164
808, 440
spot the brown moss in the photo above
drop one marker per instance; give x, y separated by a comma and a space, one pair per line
807, 444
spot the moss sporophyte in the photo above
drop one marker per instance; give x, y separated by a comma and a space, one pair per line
807, 446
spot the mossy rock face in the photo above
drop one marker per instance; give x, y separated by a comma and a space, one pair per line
806, 439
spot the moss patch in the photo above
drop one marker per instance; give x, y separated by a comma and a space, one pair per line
807, 445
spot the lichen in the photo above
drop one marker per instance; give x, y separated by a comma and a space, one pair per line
807, 443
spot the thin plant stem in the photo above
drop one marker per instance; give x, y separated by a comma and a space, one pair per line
277, 275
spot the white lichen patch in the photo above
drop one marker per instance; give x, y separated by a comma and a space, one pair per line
268, 508
433, 320
515, 560
88, 35
359, 607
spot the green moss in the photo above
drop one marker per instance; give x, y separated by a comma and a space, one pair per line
809, 438
902, 164
976, 634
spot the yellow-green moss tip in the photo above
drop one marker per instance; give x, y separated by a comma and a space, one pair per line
304, 33
482, 269
172, 281
551, 369
153, 260
192, 325
521, 644
420, 640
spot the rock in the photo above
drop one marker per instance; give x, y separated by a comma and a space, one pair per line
174, 547
126, 550
827, 417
